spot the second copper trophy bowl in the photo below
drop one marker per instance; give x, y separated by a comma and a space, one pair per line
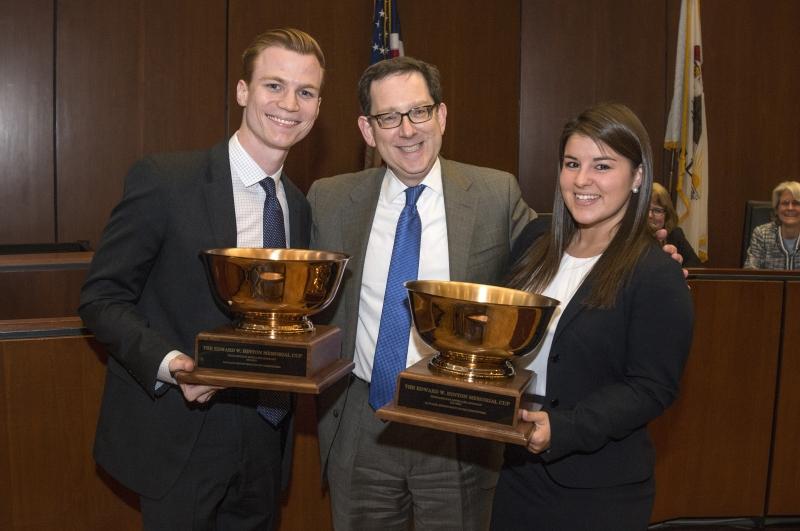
273, 291
477, 329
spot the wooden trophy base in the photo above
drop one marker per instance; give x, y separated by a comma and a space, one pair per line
484, 408
299, 363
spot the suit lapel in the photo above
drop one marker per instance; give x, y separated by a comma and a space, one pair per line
357, 219
298, 222
574, 307
219, 196
357, 223
461, 214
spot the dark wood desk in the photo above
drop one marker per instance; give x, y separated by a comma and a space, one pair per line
41, 285
53, 373
715, 450
784, 486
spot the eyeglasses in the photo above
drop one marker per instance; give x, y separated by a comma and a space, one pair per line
787, 202
417, 115
657, 211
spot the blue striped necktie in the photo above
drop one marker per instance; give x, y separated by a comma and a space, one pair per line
273, 406
391, 349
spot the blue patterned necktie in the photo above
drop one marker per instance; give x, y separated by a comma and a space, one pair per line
273, 405
391, 349
274, 229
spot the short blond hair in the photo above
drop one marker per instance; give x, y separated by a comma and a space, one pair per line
291, 39
793, 187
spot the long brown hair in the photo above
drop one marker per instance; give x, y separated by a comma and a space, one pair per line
617, 127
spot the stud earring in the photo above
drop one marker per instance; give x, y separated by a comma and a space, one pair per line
635, 190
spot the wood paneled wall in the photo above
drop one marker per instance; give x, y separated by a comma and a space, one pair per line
96, 85
131, 78
751, 80
48, 412
334, 145
90, 86
483, 114
784, 496
27, 213
580, 52
729, 377
475, 44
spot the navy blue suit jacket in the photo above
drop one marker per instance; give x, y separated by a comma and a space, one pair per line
147, 294
611, 371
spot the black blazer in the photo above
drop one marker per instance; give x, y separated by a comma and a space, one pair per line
612, 371
147, 294
685, 249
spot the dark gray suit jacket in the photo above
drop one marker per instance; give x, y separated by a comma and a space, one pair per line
147, 294
485, 212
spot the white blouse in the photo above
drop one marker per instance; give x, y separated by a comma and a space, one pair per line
571, 273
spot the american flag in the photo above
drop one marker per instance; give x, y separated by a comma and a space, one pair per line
386, 41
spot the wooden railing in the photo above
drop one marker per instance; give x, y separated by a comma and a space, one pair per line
53, 371
41, 285
728, 446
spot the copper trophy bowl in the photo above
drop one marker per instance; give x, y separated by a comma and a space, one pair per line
477, 329
273, 291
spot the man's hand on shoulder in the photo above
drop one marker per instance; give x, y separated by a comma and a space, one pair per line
671, 250
191, 392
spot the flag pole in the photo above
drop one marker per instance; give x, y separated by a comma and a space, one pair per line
386, 43
671, 172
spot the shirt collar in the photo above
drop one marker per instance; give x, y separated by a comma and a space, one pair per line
393, 187
244, 167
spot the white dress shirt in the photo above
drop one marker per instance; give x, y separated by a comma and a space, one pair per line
248, 202
249, 196
434, 261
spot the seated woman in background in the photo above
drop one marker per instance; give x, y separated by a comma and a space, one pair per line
663, 216
774, 245
615, 349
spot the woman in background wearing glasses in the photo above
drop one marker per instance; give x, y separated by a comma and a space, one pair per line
776, 245
663, 216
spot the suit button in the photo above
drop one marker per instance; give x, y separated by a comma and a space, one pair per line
554, 402
336, 413
554, 359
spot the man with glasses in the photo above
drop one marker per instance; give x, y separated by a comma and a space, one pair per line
451, 221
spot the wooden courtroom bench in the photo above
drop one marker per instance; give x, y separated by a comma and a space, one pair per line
728, 446
41, 284
53, 372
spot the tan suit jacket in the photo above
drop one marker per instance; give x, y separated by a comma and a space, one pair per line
485, 213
